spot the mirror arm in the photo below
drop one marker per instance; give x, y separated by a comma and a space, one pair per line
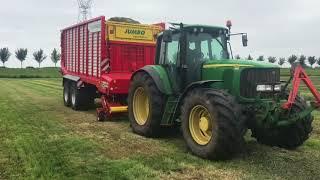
236, 34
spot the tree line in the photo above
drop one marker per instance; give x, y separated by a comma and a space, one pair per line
21, 54
293, 59
39, 56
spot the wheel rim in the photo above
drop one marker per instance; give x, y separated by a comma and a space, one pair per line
66, 95
200, 125
140, 106
73, 98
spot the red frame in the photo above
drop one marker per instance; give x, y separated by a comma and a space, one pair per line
301, 75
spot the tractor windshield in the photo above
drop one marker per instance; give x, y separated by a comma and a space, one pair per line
206, 46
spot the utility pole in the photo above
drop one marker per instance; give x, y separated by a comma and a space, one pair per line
84, 9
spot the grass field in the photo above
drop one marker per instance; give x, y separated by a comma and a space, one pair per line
52, 72
310, 72
40, 138
49, 72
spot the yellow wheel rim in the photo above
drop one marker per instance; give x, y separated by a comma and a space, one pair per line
200, 125
140, 106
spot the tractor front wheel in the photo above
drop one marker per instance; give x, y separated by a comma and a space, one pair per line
146, 105
211, 124
291, 136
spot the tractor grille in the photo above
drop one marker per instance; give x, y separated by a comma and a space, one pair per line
250, 78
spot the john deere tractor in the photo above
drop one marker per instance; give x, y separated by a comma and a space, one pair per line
196, 85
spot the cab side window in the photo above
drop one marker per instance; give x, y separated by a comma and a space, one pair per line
172, 52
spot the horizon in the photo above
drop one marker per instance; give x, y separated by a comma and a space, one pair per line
274, 28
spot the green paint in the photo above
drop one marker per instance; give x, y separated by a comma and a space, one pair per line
163, 77
177, 73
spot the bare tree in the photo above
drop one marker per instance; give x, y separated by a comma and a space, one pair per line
312, 60
21, 55
282, 61
250, 57
39, 56
272, 59
4, 55
55, 57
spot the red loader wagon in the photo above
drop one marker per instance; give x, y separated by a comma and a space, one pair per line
98, 59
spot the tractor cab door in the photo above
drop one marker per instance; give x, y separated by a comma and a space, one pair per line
169, 59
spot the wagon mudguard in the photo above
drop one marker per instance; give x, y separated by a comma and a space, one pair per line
70, 78
160, 77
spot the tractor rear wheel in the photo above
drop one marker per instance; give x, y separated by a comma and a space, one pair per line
211, 124
146, 105
66, 94
289, 137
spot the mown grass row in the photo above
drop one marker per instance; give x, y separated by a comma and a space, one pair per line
40, 138
30, 73
309, 71
54, 72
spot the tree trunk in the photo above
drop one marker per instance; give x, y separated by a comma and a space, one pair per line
21, 64
39, 65
55, 64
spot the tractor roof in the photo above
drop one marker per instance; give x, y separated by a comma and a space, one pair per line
191, 26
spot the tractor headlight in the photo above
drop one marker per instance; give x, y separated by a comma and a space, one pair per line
268, 88
277, 87
264, 88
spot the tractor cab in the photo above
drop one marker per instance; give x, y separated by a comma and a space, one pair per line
198, 53
184, 50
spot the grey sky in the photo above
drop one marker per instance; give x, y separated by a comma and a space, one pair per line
277, 28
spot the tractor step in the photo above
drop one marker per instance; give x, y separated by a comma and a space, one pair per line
170, 109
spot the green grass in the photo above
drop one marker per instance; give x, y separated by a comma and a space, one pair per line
310, 72
54, 72
30, 73
41, 139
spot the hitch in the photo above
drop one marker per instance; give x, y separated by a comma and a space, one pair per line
299, 75
109, 109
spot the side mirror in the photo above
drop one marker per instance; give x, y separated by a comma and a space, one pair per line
245, 40
167, 36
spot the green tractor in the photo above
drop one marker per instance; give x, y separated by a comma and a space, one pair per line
195, 84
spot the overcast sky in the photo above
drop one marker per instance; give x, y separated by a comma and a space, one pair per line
274, 27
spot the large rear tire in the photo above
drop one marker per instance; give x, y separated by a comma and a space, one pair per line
211, 124
81, 98
66, 94
146, 106
75, 97
289, 137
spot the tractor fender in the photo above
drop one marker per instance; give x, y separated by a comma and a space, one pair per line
198, 84
160, 77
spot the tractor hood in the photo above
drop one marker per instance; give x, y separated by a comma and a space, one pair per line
229, 73
237, 64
